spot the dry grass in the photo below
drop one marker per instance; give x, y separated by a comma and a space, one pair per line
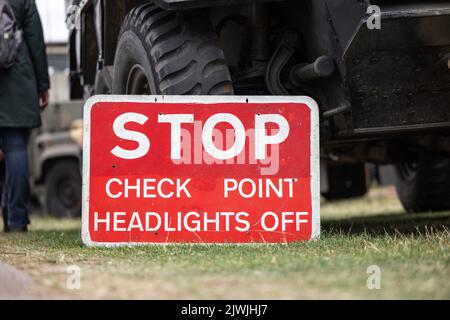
411, 250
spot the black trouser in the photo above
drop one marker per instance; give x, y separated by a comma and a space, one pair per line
16, 190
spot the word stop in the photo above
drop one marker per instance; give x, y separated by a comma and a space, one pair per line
176, 121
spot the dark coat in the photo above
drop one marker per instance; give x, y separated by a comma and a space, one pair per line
20, 85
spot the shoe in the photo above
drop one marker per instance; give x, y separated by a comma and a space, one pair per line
5, 219
7, 229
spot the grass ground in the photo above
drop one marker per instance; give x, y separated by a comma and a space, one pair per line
413, 252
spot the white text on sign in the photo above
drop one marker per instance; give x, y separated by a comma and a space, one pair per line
261, 138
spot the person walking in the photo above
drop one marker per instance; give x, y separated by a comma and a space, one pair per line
24, 95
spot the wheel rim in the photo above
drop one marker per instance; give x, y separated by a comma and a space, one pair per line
67, 193
138, 83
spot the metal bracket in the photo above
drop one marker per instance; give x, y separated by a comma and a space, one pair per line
285, 50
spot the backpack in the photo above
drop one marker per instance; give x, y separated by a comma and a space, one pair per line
10, 36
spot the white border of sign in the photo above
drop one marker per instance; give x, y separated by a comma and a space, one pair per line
315, 153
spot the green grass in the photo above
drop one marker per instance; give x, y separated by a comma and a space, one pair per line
411, 250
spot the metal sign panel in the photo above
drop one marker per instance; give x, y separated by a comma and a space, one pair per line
200, 169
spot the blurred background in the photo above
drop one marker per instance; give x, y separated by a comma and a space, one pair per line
53, 15
55, 148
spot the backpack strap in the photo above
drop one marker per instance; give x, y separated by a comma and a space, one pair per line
5, 7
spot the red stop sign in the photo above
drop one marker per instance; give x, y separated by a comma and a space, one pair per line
189, 169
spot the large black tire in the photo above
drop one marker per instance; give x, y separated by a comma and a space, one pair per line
63, 189
170, 53
424, 185
346, 181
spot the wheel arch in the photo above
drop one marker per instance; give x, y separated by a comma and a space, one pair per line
193, 4
112, 14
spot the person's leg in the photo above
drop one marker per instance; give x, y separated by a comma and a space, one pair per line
3, 192
14, 146
5, 219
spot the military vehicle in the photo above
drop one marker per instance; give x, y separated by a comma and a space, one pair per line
379, 70
55, 160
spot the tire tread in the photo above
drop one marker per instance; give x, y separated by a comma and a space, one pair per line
430, 188
183, 51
